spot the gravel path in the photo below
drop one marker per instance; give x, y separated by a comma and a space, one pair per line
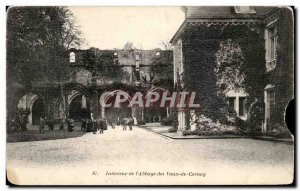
141, 157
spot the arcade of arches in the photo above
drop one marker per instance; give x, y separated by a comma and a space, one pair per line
79, 103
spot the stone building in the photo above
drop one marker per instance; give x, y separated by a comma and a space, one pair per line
266, 30
92, 72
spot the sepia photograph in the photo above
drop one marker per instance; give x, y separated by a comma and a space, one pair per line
144, 96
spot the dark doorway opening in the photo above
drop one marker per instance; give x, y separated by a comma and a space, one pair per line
38, 111
79, 108
116, 112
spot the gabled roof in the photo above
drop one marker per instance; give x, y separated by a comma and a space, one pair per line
223, 13
214, 12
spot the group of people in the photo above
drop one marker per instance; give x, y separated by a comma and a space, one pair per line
43, 122
19, 123
101, 124
94, 125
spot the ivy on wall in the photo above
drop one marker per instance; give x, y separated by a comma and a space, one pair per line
208, 54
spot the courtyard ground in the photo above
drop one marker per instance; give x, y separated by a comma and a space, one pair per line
143, 157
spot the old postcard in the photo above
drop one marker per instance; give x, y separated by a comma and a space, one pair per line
149, 95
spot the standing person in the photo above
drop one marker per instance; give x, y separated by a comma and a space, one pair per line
124, 123
103, 125
130, 123
41, 125
12, 125
71, 125
50, 124
23, 123
94, 126
83, 124
61, 125
18, 123
100, 125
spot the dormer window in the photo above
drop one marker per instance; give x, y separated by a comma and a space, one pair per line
157, 54
72, 57
244, 9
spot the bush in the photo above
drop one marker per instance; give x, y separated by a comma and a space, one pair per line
172, 130
166, 121
241, 124
186, 132
280, 131
140, 121
170, 120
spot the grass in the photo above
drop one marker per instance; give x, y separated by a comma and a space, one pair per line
33, 134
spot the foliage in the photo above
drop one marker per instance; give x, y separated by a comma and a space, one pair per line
37, 38
241, 124
172, 130
104, 63
256, 115
217, 60
199, 63
128, 46
251, 61
173, 118
161, 65
186, 132
229, 59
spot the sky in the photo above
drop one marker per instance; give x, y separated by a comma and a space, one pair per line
112, 27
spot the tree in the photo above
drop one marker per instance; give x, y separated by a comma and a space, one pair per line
166, 45
161, 64
128, 46
37, 40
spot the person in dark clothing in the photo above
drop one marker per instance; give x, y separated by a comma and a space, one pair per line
23, 123
61, 125
103, 125
18, 123
71, 125
83, 124
50, 124
94, 126
41, 125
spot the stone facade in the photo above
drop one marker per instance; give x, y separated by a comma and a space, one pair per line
91, 73
195, 44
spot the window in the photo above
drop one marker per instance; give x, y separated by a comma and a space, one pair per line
271, 47
244, 9
231, 104
242, 106
72, 57
180, 58
137, 57
137, 65
272, 43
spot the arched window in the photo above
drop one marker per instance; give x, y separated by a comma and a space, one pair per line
72, 57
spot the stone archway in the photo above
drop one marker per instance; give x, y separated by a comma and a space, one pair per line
116, 111
34, 106
79, 106
155, 113
72, 94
